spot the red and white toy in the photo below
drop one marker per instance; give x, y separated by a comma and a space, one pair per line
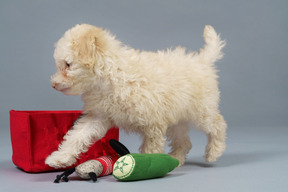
91, 169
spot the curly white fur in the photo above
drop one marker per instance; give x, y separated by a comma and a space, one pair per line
155, 94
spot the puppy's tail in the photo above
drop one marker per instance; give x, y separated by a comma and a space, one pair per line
212, 49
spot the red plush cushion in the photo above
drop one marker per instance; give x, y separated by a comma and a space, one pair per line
36, 134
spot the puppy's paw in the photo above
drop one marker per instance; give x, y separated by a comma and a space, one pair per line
181, 158
213, 152
60, 160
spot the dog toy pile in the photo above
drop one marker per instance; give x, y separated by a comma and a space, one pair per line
129, 167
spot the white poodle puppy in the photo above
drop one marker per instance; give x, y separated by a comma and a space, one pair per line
155, 94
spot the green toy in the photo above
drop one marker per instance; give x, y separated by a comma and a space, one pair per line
131, 167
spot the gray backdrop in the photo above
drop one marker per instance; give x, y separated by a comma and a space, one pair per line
253, 73
253, 82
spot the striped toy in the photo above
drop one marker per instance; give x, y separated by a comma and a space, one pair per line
91, 169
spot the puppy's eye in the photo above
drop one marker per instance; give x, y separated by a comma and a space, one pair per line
67, 64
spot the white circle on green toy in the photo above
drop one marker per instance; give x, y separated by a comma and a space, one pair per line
123, 167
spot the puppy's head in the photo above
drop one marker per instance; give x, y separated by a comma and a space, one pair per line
77, 54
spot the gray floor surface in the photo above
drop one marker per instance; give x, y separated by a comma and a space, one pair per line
256, 159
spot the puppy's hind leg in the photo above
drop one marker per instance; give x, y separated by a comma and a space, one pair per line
215, 129
153, 139
180, 144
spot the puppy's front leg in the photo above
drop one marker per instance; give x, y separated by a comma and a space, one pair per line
86, 130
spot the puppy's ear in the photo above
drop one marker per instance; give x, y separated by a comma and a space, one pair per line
89, 46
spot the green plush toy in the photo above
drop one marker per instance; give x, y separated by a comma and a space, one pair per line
131, 167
